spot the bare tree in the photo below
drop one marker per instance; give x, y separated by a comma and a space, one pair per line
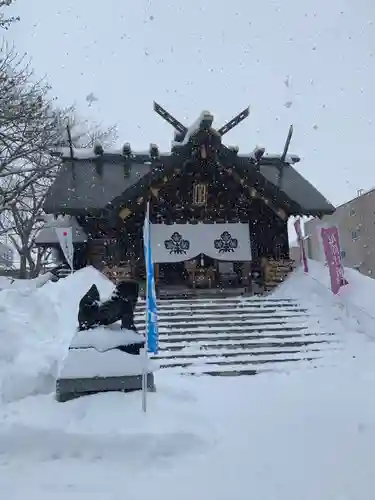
84, 134
22, 220
5, 22
21, 225
28, 127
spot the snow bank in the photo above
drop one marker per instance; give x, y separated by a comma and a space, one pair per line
70, 290
351, 310
29, 344
6, 282
36, 328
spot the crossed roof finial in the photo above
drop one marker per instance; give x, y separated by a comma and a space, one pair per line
204, 122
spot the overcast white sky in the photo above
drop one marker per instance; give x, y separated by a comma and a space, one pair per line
220, 56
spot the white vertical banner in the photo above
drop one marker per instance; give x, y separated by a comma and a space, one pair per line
65, 237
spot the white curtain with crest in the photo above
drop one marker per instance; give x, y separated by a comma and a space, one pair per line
180, 242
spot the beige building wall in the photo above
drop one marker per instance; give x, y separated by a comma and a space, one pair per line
356, 223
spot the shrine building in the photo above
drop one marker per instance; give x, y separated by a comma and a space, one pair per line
219, 218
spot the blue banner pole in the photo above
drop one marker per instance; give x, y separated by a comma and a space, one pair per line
146, 245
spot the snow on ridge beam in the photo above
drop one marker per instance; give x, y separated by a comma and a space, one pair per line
204, 121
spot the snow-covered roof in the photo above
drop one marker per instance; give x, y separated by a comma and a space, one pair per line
89, 154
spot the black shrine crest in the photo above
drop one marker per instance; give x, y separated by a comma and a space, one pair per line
177, 245
226, 243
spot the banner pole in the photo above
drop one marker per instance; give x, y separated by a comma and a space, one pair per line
145, 356
145, 359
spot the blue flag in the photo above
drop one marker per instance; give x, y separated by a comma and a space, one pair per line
151, 305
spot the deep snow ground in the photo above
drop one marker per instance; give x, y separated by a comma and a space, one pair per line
273, 436
306, 435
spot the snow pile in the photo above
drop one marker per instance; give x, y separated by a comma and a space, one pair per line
36, 328
351, 310
29, 344
18, 284
69, 291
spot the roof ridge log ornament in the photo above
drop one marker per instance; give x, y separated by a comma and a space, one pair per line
283, 156
199, 131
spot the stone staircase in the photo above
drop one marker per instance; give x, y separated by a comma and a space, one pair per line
235, 335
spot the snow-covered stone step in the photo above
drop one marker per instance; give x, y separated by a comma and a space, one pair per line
248, 325
218, 299
209, 310
281, 367
246, 363
228, 334
235, 335
229, 353
214, 306
197, 315
244, 344
224, 315
240, 343
224, 307
218, 323
224, 300
248, 359
195, 323
241, 360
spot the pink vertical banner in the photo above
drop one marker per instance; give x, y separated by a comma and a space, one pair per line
331, 245
297, 227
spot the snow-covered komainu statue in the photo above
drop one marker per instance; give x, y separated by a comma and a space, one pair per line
104, 353
119, 307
